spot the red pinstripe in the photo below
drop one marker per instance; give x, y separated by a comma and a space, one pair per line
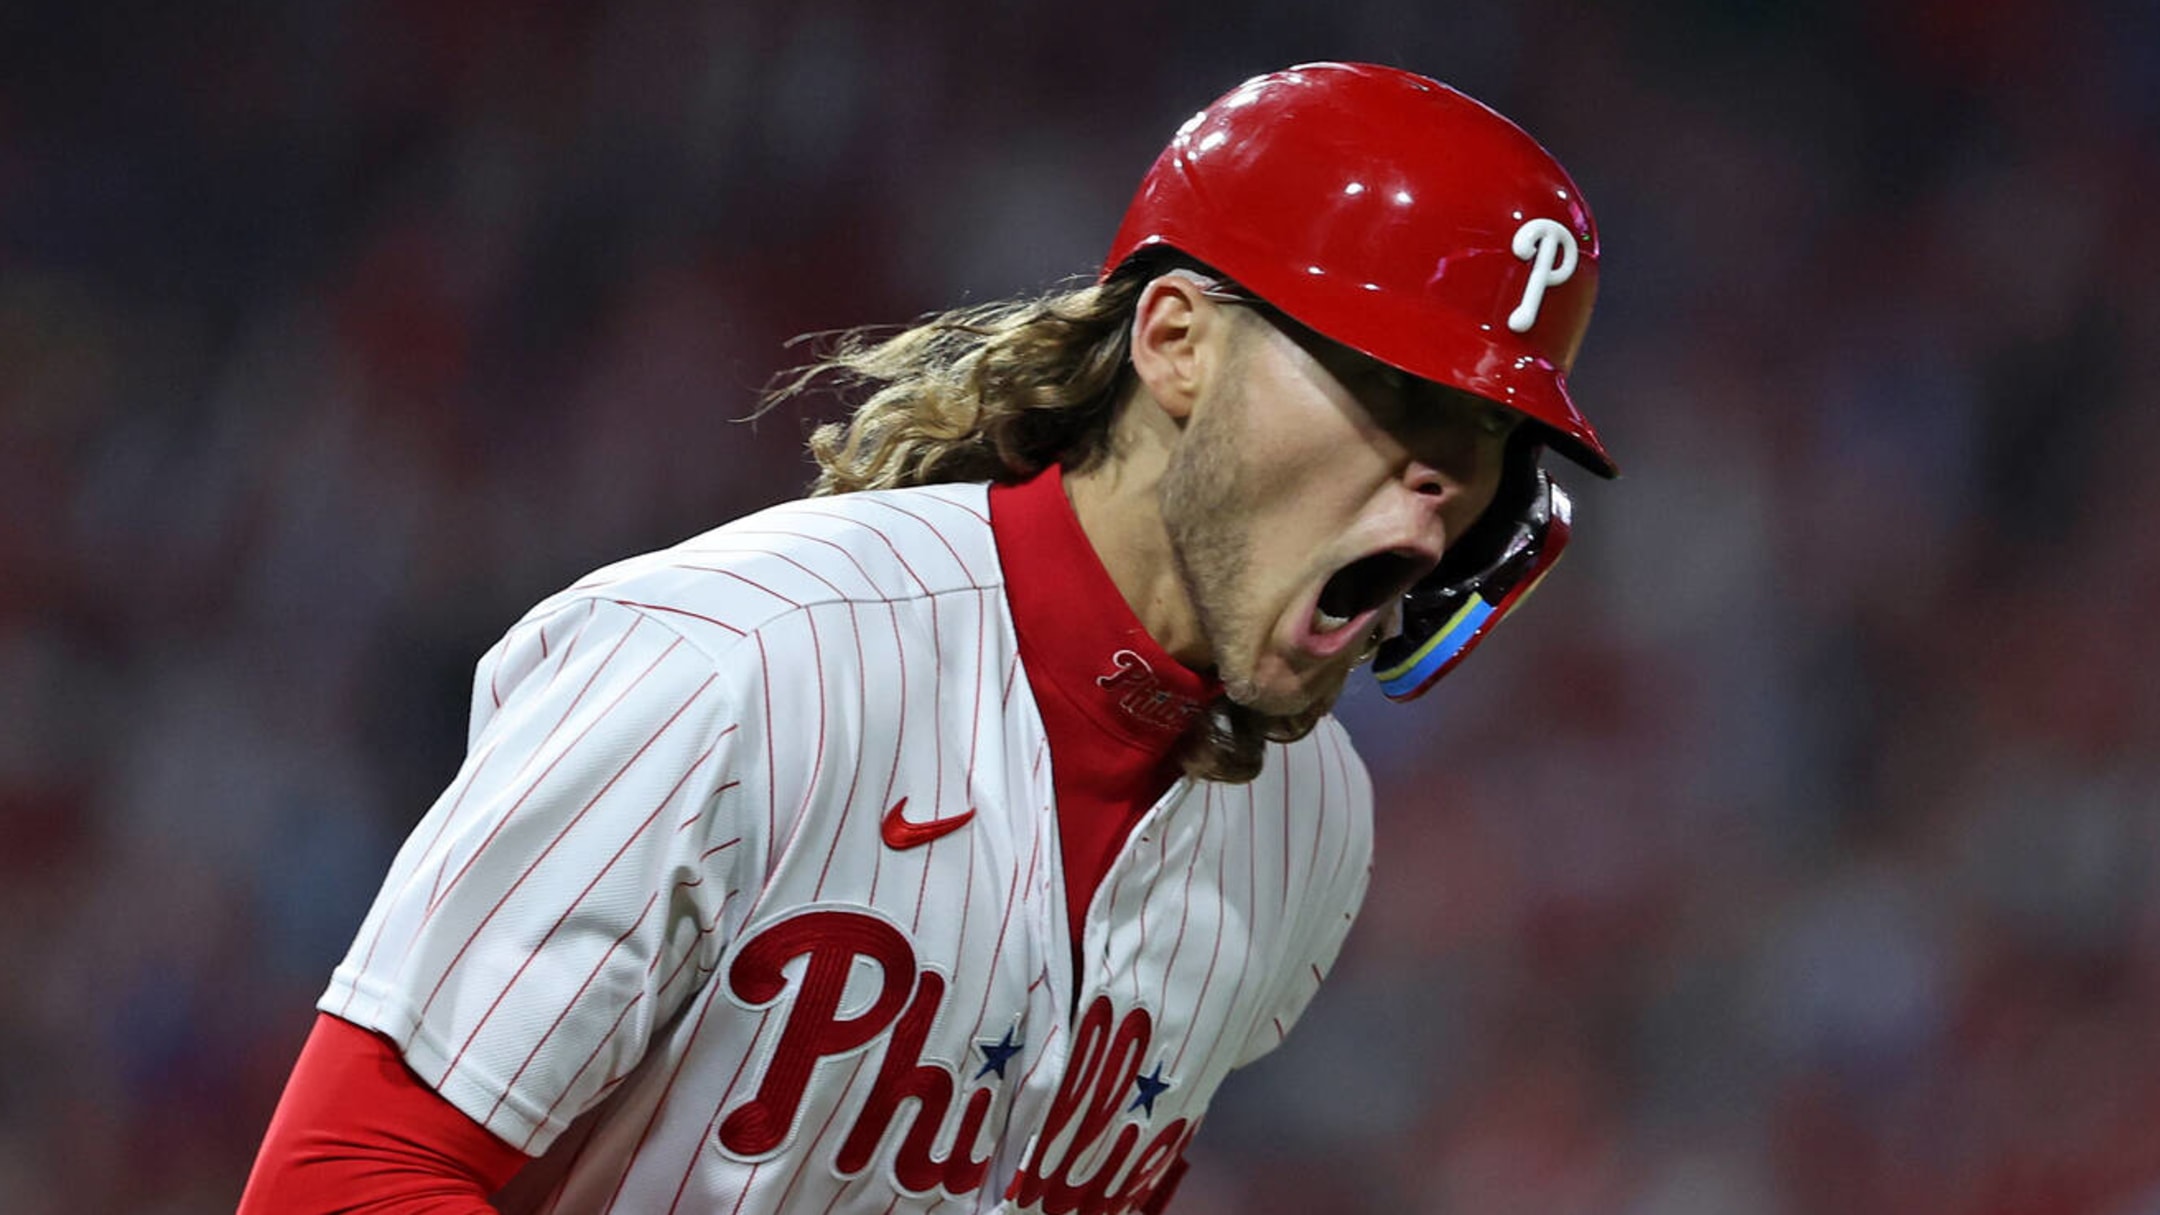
582, 987
772, 784
488, 753
1252, 898
817, 759
937, 737
1283, 753
1342, 855
699, 817
868, 581
750, 582
975, 728
1042, 1055
847, 803
960, 504
1035, 855
1207, 811
997, 950
544, 853
375, 935
1162, 845
892, 778
562, 1183
888, 504
967, 894
443, 892
772, 769
1342, 765
635, 999
590, 1056
890, 547
598, 966
967, 899
690, 955
560, 1016
1319, 826
676, 611
1207, 979
780, 556
645, 1136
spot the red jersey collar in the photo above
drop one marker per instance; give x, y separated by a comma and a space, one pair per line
1077, 633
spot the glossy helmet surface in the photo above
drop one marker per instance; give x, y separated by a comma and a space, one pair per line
1396, 216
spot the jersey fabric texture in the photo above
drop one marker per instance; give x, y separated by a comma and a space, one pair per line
748, 896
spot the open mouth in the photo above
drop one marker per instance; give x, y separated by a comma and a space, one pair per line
1364, 586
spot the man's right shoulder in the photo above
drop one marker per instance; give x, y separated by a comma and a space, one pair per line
878, 546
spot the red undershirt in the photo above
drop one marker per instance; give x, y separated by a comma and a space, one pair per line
357, 1131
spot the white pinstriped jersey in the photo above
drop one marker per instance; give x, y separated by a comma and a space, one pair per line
673, 931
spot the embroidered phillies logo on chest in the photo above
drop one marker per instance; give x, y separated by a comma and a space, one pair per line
1099, 1150
1142, 696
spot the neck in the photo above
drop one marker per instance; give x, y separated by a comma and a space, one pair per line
1119, 509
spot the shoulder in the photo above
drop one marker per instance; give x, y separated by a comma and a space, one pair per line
1326, 762
880, 546
1323, 793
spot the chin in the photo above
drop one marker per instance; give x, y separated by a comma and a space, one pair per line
1289, 693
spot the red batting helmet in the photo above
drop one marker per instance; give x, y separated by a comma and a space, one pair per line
1396, 216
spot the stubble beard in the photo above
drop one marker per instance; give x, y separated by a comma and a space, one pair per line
1207, 501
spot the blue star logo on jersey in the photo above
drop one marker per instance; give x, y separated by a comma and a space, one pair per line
997, 1054
1151, 1086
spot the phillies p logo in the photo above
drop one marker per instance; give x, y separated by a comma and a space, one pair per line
1550, 249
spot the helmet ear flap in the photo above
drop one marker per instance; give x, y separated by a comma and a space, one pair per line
1482, 577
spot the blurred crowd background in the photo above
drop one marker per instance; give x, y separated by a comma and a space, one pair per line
1796, 854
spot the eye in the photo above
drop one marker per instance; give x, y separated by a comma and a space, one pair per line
1496, 421
1443, 408
1368, 377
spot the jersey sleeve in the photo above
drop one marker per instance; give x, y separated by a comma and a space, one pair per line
564, 895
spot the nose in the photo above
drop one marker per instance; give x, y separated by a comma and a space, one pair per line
1451, 494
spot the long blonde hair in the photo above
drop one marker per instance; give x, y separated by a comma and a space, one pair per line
997, 392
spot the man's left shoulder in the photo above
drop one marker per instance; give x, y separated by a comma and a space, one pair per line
874, 544
1330, 747
1318, 779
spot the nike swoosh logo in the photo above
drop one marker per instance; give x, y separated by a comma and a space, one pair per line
900, 834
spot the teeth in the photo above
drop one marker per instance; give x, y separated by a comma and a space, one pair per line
1322, 622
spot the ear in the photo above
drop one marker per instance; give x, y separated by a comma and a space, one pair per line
1177, 337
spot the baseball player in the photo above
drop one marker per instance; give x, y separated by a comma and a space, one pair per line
940, 841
